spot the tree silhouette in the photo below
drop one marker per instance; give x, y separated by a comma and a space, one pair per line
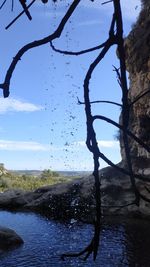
115, 37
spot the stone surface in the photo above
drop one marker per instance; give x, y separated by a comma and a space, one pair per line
9, 239
76, 199
137, 48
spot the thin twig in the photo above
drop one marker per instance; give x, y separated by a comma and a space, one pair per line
104, 3
25, 8
3, 4
16, 18
100, 101
12, 5
118, 75
77, 53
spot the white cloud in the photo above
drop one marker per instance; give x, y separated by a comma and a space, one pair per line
24, 146
15, 105
101, 143
108, 144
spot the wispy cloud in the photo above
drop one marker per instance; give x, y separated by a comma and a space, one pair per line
101, 143
10, 145
89, 23
15, 105
108, 144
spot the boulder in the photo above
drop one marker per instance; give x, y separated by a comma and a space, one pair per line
9, 239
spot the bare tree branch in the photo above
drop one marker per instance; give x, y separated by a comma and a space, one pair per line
122, 170
25, 8
118, 75
104, 3
121, 127
15, 19
3, 4
92, 246
100, 101
5, 86
12, 5
71, 53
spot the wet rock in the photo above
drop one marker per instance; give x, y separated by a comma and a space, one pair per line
9, 239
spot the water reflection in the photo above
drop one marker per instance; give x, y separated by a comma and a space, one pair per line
123, 243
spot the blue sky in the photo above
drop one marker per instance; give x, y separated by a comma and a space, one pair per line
42, 126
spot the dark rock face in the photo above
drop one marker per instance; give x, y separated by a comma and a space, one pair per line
60, 201
9, 239
137, 47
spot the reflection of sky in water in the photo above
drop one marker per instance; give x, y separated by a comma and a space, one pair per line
122, 244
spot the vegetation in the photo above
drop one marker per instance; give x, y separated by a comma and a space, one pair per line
30, 182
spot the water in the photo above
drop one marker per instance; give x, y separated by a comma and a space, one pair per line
123, 243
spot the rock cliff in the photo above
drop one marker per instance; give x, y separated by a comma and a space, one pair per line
137, 47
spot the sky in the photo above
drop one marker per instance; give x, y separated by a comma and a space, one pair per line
42, 126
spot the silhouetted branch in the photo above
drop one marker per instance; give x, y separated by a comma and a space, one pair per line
122, 170
87, 251
118, 75
99, 102
104, 3
3, 4
25, 8
92, 145
92, 142
71, 53
21, 13
92, 247
24, 49
121, 127
12, 5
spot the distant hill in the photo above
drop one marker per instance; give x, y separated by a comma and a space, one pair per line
27, 172
62, 173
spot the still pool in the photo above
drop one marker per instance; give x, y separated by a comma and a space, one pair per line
123, 242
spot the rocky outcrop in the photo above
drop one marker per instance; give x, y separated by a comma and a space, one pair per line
76, 199
137, 47
9, 239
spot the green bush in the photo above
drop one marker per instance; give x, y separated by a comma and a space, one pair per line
48, 173
28, 182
